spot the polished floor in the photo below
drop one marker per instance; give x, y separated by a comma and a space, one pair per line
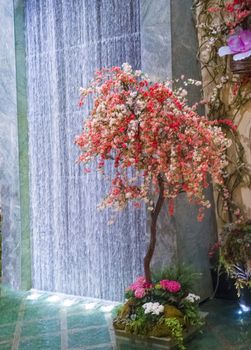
46, 321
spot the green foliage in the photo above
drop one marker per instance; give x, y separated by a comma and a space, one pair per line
120, 323
142, 324
176, 331
147, 324
182, 273
161, 330
163, 296
140, 327
168, 310
192, 316
128, 294
235, 253
237, 244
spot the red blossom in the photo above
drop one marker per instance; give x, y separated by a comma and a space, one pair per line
151, 129
227, 122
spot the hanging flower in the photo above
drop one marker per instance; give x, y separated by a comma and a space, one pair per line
150, 128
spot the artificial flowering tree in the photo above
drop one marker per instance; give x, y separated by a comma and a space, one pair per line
159, 146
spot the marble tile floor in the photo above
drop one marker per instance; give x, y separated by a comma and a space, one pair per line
48, 321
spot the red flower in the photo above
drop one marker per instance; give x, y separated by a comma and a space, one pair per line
150, 128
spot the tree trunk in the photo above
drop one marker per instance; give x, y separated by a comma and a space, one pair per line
154, 218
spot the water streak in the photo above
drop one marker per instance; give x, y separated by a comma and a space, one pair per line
74, 249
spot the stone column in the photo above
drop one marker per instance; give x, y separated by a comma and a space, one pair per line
169, 49
14, 192
9, 168
21, 82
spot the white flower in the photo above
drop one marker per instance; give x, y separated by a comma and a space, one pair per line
198, 83
133, 94
138, 73
127, 68
192, 298
153, 308
183, 93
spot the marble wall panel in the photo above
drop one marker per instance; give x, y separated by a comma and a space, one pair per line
9, 163
168, 49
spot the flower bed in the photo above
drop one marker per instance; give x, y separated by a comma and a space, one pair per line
164, 309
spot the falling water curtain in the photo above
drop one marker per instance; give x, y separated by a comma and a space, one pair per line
74, 248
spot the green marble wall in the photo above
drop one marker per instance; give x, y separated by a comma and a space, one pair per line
14, 194
23, 143
9, 165
168, 49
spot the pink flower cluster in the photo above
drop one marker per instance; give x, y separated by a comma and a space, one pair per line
151, 129
234, 12
170, 286
139, 287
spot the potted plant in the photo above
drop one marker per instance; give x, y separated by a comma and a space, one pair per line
235, 258
158, 145
163, 309
223, 284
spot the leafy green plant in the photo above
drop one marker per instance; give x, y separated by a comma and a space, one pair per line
191, 313
176, 331
235, 253
180, 272
139, 327
164, 308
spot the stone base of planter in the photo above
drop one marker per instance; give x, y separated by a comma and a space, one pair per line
131, 342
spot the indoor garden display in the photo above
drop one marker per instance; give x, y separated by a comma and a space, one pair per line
225, 25
159, 147
224, 34
235, 258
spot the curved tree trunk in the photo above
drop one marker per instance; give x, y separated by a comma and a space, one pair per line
154, 218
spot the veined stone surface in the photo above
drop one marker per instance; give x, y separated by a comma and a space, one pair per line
156, 49
9, 158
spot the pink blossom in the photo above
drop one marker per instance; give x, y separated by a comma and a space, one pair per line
147, 127
139, 293
140, 283
171, 286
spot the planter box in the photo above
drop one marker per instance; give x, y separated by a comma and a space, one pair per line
131, 342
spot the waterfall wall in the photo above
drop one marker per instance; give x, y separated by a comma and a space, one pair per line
74, 249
